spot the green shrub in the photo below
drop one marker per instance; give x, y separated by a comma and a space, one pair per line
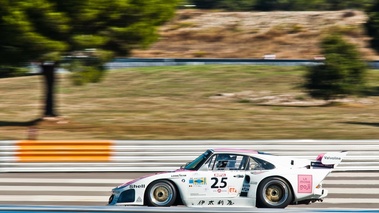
8, 71
83, 72
372, 25
342, 74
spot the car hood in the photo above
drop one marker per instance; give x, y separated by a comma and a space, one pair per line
150, 175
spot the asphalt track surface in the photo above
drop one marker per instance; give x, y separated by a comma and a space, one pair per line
346, 189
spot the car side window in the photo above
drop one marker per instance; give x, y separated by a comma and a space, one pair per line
211, 162
227, 162
244, 163
221, 161
259, 164
254, 165
238, 164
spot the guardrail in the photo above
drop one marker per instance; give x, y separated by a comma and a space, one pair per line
119, 63
143, 62
164, 155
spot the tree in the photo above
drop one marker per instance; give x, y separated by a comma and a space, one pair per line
266, 5
232, 5
372, 24
289, 5
229, 5
206, 4
45, 30
343, 72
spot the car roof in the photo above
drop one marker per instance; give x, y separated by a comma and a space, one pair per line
235, 151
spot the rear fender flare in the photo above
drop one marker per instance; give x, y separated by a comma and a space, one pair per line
294, 197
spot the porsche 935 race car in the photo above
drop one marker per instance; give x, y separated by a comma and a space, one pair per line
233, 178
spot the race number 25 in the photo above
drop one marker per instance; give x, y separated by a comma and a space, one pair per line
219, 182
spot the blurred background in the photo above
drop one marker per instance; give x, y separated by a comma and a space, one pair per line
76, 97
61, 103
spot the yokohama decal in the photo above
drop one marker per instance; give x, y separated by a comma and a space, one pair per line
304, 183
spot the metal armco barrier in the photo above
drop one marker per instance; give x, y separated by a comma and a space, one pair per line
164, 155
143, 62
130, 209
119, 63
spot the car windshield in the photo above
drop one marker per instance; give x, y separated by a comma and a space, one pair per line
195, 164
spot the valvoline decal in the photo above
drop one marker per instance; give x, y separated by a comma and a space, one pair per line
333, 158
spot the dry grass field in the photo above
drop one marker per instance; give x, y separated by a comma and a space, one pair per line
187, 102
206, 102
287, 34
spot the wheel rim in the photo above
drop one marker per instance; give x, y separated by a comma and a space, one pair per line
161, 194
275, 193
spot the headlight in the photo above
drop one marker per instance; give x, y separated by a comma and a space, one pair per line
110, 199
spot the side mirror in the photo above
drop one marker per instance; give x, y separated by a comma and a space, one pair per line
182, 166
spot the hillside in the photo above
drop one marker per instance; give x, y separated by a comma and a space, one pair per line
287, 34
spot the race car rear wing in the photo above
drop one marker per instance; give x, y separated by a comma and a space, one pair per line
329, 160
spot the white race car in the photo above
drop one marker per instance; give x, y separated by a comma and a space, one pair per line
233, 178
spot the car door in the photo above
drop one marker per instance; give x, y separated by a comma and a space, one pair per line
223, 178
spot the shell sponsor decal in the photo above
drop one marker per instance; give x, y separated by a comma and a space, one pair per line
135, 186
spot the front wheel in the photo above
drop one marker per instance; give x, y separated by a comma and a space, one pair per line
161, 193
274, 193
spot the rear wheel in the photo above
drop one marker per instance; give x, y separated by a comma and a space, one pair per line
161, 193
274, 193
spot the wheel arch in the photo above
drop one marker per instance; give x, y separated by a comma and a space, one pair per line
178, 200
281, 177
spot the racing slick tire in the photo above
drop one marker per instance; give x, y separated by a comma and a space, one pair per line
160, 193
274, 192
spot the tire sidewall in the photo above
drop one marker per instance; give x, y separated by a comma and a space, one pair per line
148, 198
261, 202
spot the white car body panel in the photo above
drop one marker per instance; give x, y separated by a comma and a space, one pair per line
238, 188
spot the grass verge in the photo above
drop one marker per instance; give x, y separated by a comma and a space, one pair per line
187, 102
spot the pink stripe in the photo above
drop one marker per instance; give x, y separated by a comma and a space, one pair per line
232, 150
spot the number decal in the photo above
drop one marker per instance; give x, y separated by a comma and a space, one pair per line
216, 183
223, 182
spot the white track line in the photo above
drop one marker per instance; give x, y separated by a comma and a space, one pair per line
350, 200
352, 191
352, 182
354, 174
60, 198
104, 199
57, 188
